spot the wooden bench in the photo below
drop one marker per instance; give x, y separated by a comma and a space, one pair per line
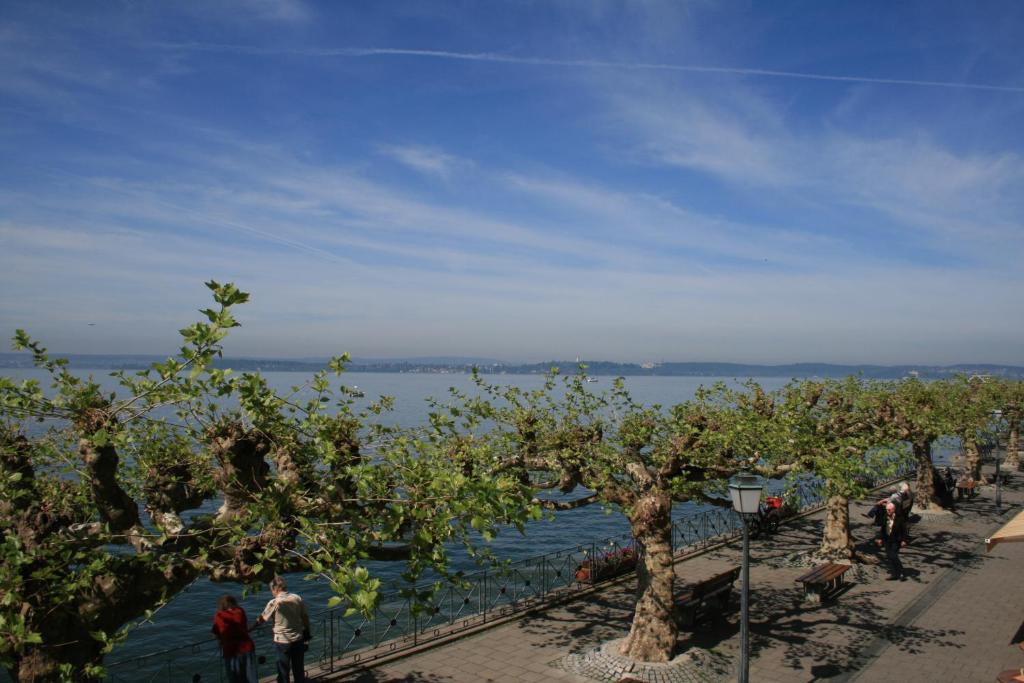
705, 598
823, 580
965, 488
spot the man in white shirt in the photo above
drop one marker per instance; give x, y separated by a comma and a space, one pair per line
291, 630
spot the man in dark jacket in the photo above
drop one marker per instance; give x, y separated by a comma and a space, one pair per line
892, 536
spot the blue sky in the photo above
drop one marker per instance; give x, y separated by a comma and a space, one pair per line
663, 181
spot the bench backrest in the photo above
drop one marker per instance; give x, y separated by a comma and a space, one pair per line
716, 583
825, 572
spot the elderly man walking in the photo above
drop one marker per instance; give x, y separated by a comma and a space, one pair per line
892, 536
291, 630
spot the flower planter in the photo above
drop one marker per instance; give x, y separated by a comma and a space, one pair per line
606, 566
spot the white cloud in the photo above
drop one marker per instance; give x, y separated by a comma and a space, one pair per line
954, 201
658, 222
690, 134
281, 10
426, 160
237, 12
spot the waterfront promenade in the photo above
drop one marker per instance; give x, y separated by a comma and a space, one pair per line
952, 620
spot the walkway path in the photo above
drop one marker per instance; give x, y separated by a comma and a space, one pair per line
951, 621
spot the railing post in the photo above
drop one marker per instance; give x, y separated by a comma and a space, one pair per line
330, 616
482, 597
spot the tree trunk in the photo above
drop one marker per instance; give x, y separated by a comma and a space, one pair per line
973, 457
652, 637
1012, 455
836, 543
66, 641
924, 496
112, 600
116, 507
243, 471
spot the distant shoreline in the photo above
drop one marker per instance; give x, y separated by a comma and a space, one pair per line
595, 368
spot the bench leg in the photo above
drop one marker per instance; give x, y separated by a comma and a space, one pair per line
812, 594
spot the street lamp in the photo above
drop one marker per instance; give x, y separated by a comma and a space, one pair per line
745, 490
997, 416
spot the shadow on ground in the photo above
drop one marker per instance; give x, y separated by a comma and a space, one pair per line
586, 623
822, 641
373, 676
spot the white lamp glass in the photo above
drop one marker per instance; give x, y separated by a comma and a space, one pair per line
745, 490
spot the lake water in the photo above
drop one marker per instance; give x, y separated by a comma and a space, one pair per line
187, 618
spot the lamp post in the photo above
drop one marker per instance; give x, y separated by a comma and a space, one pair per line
745, 490
997, 416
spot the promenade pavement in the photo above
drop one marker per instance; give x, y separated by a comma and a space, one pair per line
952, 620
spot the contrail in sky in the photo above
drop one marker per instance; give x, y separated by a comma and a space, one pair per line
585, 63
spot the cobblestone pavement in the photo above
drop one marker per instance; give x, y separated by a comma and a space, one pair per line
951, 621
605, 665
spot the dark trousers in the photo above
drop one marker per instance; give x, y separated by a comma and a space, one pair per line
892, 553
241, 668
906, 527
289, 658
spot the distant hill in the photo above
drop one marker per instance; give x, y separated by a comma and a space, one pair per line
741, 370
456, 365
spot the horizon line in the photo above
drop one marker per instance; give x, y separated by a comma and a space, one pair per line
449, 361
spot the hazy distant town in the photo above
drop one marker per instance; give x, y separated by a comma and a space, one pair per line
458, 365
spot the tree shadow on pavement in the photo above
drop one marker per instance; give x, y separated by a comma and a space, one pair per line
379, 676
583, 623
824, 640
832, 635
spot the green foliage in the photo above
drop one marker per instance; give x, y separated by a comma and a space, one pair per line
834, 430
564, 435
92, 523
919, 412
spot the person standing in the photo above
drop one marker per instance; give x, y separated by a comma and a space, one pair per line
231, 628
948, 482
892, 536
906, 506
291, 630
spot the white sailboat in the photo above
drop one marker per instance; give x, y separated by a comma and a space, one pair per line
588, 378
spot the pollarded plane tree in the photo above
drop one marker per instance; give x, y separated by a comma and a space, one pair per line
918, 413
583, 448
1007, 395
122, 501
971, 402
835, 434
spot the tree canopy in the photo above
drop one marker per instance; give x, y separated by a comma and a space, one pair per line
113, 503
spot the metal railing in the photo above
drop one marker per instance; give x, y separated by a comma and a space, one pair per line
398, 623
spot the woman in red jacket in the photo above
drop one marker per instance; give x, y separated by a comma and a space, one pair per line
232, 630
